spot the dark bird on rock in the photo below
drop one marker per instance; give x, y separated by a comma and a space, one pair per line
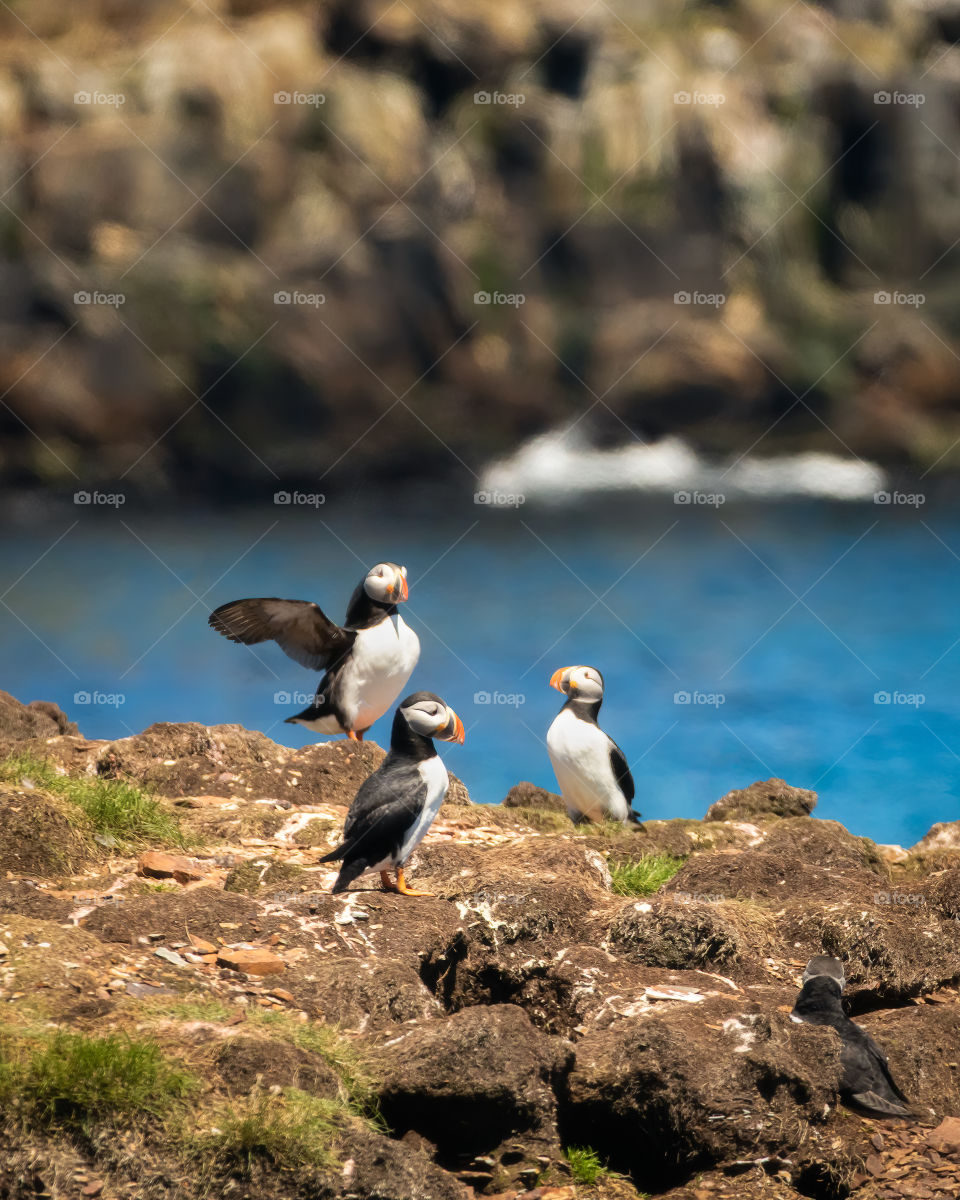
368, 659
866, 1081
397, 804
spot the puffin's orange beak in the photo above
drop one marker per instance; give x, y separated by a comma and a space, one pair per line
457, 733
556, 679
400, 590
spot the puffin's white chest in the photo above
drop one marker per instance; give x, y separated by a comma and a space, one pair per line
381, 661
580, 753
434, 775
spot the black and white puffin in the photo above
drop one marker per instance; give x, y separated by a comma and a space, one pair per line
866, 1080
368, 659
591, 770
396, 805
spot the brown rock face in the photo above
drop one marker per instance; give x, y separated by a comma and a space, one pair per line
701, 1083
522, 1009
763, 800
254, 962
476, 1083
38, 719
156, 865
528, 795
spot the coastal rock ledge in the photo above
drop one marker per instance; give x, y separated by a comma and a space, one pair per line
186, 1011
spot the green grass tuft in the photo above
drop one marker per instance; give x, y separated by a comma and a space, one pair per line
290, 1129
70, 1080
645, 875
116, 811
585, 1164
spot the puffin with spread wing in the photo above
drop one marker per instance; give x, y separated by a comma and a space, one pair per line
368, 659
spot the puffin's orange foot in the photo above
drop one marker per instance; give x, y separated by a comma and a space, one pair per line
402, 888
353, 737
387, 883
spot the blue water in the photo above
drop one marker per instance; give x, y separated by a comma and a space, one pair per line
692, 601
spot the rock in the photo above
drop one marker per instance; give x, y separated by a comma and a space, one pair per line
942, 837
378, 995
528, 795
189, 760
383, 1169
248, 1062
171, 956
253, 962
457, 793
713, 1082
946, 1136
37, 836
480, 1082
201, 945
204, 911
253, 877
666, 935
761, 801
38, 719
156, 865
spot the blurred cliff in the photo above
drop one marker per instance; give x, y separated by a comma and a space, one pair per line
244, 241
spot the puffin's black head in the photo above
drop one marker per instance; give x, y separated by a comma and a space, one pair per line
824, 966
579, 683
431, 717
386, 583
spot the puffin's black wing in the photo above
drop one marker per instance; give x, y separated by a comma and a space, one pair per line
299, 627
621, 772
381, 815
867, 1076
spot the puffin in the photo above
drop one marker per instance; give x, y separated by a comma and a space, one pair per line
866, 1080
591, 770
397, 804
368, 659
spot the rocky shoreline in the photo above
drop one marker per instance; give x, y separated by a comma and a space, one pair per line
544, 1025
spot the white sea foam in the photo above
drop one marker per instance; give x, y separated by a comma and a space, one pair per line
563, 465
